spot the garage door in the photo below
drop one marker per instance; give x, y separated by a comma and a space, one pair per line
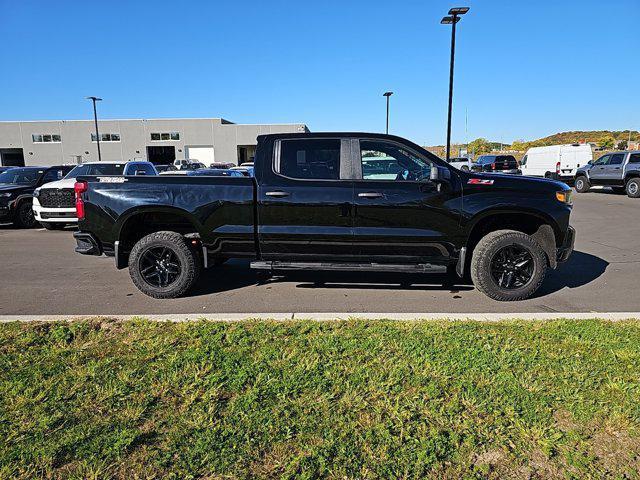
202, 154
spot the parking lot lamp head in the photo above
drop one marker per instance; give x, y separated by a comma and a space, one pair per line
387, 94
458, 10
95, 119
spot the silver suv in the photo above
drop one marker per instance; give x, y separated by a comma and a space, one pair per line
619, 170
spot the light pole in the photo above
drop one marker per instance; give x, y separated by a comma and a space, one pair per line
452, 19
95, 119
387, 94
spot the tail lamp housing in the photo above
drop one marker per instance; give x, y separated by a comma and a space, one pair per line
79, 188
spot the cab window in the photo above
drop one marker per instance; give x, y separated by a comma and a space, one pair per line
389, 161
309, 159
52, 175
604, 160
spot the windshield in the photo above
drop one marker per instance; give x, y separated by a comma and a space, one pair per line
96, 169
21, 176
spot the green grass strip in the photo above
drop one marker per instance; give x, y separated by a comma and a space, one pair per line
304, 399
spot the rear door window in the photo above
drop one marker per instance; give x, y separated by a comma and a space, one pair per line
309, 159
616, 159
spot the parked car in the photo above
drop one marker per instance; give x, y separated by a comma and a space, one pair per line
165, 168
461, 163
559, 162
188, 164
619, 170
214, 172
496, 164
54, 203
16, 191
221, 165
246, 171
312, 206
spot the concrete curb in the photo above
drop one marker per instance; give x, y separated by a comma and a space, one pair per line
235, 317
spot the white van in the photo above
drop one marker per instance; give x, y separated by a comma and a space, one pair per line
556, 161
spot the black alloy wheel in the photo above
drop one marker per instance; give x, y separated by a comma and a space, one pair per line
159, 266
24, 215
512, 267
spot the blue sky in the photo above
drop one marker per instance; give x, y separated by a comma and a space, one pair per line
523, 69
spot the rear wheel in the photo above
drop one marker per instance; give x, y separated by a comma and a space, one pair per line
508, 265
163, 265
633, 187
24, 215
582, 184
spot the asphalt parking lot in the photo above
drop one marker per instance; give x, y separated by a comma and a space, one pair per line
41, 274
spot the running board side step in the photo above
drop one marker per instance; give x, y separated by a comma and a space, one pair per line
350, 267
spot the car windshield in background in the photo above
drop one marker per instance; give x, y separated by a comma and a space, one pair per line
96, 169
21, 176
485, 160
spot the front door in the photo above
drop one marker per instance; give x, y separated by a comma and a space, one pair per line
400, 214
597, 173
305, 200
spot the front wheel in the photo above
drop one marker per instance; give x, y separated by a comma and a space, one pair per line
508, 265
633, 188
582, 184
24, 215
164, 265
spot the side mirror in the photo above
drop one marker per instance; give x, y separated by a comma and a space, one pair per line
439, 174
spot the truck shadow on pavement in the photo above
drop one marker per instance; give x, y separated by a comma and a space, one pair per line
581, 269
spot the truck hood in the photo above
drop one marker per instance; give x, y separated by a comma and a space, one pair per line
518, 182
11, 187
64, 183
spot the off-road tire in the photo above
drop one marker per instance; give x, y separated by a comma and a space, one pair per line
484, 253
189, 260
52, 225
632, 188
582, 184
24, 217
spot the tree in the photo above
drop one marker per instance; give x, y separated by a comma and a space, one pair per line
479, 146
622, 145
607, 142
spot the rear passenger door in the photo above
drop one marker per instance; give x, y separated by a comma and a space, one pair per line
305, 199
613, 170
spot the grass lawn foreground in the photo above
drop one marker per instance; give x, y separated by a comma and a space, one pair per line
306, 399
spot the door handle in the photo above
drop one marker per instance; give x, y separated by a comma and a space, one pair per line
370, 195
277, 194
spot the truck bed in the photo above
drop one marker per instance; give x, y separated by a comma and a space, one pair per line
219, 210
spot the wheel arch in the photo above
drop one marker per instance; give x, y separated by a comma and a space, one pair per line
139, 222
532, 222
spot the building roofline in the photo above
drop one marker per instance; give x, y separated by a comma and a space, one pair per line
224, 121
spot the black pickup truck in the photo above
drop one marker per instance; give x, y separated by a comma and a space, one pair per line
331, 201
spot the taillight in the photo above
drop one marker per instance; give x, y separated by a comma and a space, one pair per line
558, 168
80, 188
493, 166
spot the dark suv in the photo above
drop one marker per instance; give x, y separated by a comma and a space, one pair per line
496, 164
16, 191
